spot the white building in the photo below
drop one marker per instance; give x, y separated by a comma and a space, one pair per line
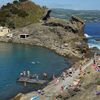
4, 31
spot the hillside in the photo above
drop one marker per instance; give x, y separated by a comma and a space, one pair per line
20, 14
62, 36
87, 15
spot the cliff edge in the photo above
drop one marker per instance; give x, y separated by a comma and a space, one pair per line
64, 37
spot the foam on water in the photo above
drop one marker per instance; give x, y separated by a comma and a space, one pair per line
93, 43
92, 32
87, 36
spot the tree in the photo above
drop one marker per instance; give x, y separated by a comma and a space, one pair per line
14, 10
11, 25
22, 13
3, 21
4, 13
15, 2
7, 6
22, 0
44, 7
2, 24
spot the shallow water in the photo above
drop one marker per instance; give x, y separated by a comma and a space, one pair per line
14, 58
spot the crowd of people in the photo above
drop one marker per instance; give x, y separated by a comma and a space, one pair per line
96, 64
26, 73
75, 86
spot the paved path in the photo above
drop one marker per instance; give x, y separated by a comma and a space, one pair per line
52, 89
67, 81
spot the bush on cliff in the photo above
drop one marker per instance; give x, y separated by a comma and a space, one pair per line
23, 0
21, 13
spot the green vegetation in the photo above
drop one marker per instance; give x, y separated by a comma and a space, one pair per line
23, 0
87, 15
20, 13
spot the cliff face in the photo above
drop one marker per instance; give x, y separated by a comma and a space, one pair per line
64, 37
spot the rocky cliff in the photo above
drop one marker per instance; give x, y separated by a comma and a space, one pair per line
64, 37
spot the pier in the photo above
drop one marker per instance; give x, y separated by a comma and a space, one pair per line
32, 81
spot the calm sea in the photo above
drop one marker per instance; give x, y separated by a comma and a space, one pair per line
14, 58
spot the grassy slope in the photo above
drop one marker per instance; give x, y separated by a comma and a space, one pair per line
35, 12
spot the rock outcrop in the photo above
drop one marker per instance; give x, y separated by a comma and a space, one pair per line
18, 96
64, 37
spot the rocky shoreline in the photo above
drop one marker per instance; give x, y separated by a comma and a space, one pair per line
26, 96
66, 38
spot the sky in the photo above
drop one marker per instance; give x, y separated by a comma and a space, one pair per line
66, 4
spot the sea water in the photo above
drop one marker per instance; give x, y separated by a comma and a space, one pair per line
92, 32
14, 58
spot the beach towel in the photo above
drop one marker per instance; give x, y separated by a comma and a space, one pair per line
97, 92
97, 69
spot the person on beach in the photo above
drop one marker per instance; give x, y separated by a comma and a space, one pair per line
94, 62
21, 74
55, 80
24, 73
98, 90
62, 89
70, 72
45, 75
28, 73
37, 77
82, 72
64, 75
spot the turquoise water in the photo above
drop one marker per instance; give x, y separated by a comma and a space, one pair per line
14, 58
